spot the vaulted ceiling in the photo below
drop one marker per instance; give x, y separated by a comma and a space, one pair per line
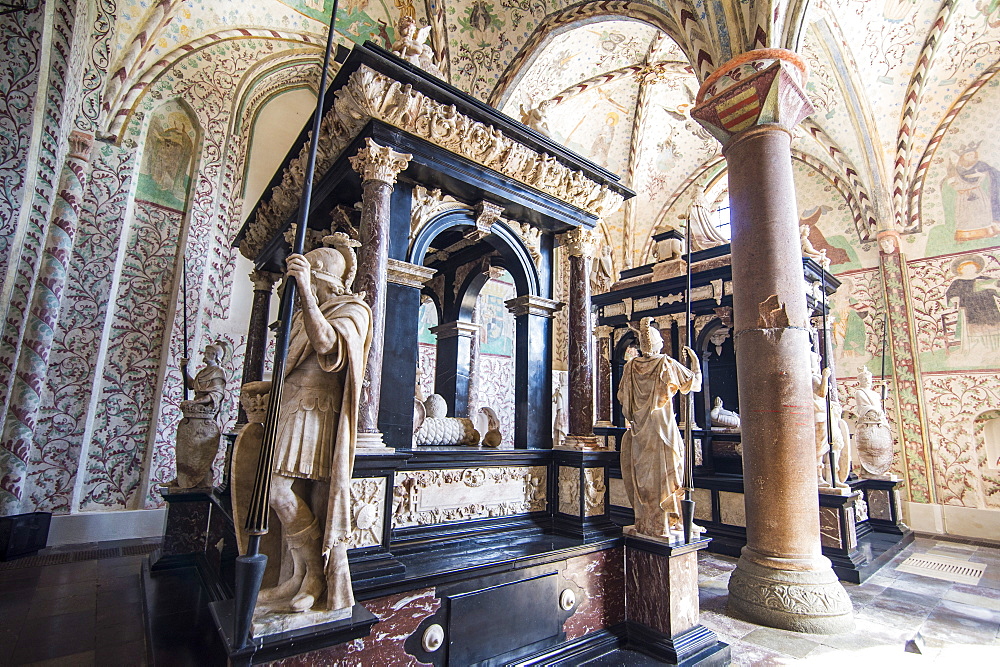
615, 81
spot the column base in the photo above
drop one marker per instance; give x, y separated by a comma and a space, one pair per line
371, 443
806, 599
582, 443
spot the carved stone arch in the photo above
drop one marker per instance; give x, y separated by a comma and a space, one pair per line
517, 260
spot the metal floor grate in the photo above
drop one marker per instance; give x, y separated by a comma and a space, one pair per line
943, 567
78, 556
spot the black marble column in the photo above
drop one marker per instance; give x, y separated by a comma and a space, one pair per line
580, 245
253, 362
378, 166
533, 370
454, 363
399, 360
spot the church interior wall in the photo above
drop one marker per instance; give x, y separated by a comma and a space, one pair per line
243, 73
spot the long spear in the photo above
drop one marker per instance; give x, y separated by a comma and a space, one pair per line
184, 305
250, 566
885, 330
687, 505
831, 386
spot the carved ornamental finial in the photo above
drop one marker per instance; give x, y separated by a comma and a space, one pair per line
580, 242
379, 163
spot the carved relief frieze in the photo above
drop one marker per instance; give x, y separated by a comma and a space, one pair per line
594, 491
369, 94
367, 512
427, 497
569, 491
593, 502
646, 303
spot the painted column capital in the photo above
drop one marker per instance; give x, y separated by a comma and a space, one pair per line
379, 163
888, 242
80, 144
263, 281
580, 242
764, 87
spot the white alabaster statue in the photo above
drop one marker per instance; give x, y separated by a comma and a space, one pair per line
872, 433
198, 432
704, 234
411, 45
809, 250
835, 440
317, 428
723, 418
652, 451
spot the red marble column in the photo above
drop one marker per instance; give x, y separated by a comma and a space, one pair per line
378, 166
580, 245
782, 580
253, 362
604, 388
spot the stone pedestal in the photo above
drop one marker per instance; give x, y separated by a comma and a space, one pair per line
199, 532
782, 579
378, 166
661, 604
581, 501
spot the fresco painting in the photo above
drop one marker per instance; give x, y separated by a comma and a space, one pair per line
165, 174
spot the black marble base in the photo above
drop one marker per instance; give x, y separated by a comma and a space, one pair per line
697, 646
286, 644
584, 650
875, 549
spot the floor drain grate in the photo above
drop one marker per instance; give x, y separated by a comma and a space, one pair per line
942, 567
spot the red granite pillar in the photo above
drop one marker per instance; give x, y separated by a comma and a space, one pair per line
580, 245
782, 580
378, 166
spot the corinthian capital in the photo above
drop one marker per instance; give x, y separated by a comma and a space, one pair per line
379, 163
580, 242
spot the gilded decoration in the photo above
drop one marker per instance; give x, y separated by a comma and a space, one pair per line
427, 497
369, 94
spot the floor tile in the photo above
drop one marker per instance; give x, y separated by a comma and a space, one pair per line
786, 643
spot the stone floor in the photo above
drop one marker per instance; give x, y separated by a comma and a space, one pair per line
83, 607
959, 624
